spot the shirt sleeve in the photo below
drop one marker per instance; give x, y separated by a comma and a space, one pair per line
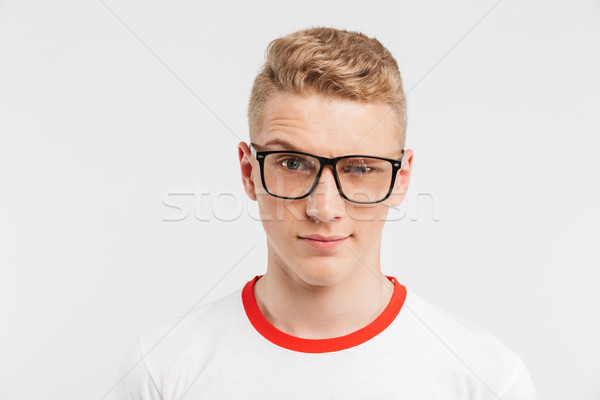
135, 380
520, 386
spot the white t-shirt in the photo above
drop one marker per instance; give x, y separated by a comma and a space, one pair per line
414, 350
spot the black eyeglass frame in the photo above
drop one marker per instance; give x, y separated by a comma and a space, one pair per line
323, 161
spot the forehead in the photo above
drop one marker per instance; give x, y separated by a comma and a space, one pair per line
328, 126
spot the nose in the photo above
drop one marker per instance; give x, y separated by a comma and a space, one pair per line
325, 203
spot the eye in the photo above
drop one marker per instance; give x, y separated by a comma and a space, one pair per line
295, 163
361, 169
358, 167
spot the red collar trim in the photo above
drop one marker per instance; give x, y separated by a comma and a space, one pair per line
282, 339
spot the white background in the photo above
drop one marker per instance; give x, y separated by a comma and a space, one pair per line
96, 132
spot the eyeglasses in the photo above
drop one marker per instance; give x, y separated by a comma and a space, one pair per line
359, 178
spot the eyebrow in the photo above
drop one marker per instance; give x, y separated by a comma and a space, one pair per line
283, 143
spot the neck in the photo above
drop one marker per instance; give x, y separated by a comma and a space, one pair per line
325, 311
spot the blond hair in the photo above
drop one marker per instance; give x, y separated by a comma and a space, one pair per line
332, 62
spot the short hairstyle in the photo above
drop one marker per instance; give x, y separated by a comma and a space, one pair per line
332, 62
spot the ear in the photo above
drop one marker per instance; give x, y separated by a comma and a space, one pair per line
402, 179
247, 167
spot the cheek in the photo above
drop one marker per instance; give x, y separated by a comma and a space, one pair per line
269, 216
368, 220
367, 213
279, 217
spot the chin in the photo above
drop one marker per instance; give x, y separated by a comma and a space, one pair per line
322, 271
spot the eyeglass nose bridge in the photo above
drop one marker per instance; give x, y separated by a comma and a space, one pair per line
324, 161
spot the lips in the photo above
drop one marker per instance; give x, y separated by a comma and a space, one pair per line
323, 238
322, 242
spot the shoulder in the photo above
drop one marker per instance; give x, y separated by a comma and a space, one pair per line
198, 322
488, 362
172, 345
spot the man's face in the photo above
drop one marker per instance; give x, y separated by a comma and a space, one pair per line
325, 127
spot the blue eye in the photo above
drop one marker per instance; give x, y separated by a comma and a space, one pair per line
360, 169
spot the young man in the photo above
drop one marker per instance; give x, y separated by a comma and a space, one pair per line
327, 120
